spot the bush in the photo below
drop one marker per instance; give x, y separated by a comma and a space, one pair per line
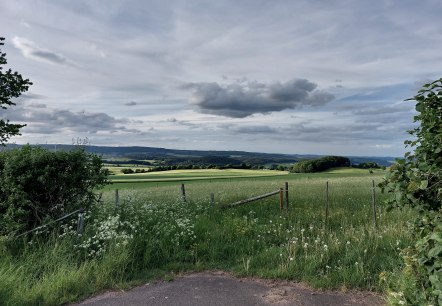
37, 185
127, 171
416, 181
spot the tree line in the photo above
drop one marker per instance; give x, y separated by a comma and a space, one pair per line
320, 164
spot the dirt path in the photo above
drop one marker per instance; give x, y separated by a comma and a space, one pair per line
219, 288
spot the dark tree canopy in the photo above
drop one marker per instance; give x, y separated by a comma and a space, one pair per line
320, 164
12, 85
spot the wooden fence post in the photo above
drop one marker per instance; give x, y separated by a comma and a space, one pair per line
183, 193
281, 197
373, 200
212, 200
326, 202
80, 223
117, 198
287, 196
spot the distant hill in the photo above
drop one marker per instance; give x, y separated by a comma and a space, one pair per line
174, 156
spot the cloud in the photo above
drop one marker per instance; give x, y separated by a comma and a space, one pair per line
388, 110
32, 96
245, 98
25, 24
185, 123
37, 105
30, 50
42, 120
131, 103
255, 129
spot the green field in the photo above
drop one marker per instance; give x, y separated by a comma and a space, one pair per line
348, 170
175, 177
191, 175
152, 233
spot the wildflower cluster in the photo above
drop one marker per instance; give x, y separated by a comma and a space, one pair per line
134, 218
110, 230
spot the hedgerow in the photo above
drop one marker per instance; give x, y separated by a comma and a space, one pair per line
416, 181
37, 185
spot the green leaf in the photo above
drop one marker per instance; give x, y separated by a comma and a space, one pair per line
436, 236
423, 185
412, 186
434, 252
435, 281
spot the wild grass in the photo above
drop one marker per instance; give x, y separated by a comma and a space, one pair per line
152, 233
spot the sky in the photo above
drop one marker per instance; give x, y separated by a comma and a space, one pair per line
297, 77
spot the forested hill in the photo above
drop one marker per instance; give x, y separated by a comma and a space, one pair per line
173, 156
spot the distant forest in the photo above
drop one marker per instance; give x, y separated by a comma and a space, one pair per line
161, 158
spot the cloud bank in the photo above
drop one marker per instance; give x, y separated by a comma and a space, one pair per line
245, 98
43, 120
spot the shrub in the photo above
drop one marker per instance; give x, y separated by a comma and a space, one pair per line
37, 185
416, 181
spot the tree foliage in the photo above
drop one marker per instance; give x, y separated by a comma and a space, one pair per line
416, 181
12, 85
367, 165
320, 164
37, 185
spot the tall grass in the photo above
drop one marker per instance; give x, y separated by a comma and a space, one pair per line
152, 233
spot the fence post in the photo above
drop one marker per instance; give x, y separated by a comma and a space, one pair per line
80, 223
281, 197
117, 198
373, 200
183, 193
212, 200
100, 198
287, 196
326, 202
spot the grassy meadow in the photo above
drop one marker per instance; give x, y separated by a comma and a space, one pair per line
152, 233
187, 175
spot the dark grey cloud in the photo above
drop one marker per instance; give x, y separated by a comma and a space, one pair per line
245, 98
44, 120
50, 56
131, 103
30, 50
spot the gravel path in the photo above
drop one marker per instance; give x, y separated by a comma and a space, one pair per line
219, 288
